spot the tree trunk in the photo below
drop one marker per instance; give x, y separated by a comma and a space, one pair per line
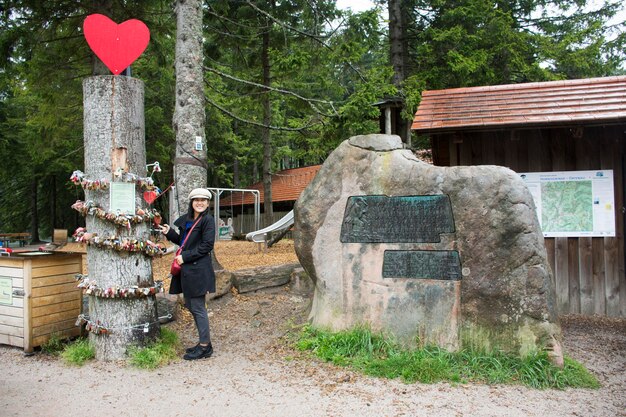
190, 164
398, 51
255, 171
236, 183
277, 237
53, 204
267, 141
396, 41
114, 139
34, 214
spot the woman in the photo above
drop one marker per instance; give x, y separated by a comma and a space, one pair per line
197, 276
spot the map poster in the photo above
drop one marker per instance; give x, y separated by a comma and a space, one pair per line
122, 197
573, 203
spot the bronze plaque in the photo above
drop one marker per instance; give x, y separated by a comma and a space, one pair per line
405, 219
422, 264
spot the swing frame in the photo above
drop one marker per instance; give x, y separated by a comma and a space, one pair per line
217, 192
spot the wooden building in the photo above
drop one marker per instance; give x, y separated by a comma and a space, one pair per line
287, 185
286, 188
570, 125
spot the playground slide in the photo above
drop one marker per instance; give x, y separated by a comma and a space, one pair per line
261, 235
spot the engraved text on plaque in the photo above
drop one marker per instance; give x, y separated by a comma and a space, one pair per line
405, 219
438, 264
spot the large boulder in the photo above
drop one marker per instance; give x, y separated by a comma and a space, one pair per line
452, 256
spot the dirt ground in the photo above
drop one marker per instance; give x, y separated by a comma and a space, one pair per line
254, 372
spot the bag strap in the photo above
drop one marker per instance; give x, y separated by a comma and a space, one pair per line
189, 232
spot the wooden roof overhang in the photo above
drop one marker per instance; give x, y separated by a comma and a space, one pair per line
593, 101
287, 185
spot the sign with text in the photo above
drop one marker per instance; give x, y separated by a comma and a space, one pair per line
6, 290
573, 203
122, 198
404, 219
422, 264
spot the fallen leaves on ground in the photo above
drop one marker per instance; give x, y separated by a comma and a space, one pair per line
239, 254
234, 255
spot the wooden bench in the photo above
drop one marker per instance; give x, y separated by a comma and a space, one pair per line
7, 238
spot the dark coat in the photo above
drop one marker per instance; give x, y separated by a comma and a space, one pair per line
197, 276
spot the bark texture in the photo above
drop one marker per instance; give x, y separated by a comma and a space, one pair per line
399, 55
34, 220
114, 138
190, 166
266, 134
397, 43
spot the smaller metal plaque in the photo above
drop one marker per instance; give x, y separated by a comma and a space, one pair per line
422, 264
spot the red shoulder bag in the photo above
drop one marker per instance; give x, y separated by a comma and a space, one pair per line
175, 268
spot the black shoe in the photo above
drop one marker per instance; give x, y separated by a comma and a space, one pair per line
191, 349
199, 353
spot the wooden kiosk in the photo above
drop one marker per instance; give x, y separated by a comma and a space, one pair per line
38, 297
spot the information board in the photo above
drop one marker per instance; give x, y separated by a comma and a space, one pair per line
573, 203
122, 198
6, 290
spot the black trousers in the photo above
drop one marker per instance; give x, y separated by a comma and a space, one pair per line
197, 307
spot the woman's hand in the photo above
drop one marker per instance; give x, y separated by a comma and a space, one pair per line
164, 228
179, 260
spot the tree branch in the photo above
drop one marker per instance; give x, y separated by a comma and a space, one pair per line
309, 101
285, 25
250, 122
315, 38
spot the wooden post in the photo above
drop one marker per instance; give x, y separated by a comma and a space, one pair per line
114, 139
388, 120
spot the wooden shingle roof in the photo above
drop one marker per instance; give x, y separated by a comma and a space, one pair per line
590, 101
287, 185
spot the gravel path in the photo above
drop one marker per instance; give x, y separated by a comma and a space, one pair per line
253, 374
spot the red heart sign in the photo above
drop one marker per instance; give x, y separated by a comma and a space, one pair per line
117, 46
150, 196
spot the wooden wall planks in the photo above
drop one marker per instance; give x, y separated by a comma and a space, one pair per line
50, 302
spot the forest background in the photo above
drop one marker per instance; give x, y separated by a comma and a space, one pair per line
327, 67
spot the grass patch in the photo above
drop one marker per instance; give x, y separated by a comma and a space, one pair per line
78, 352
54, 345
159, 353
376, 355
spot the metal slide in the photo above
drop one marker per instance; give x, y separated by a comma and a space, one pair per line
261, 235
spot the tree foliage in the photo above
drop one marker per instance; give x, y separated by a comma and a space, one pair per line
45, 60
327, 68
457, 43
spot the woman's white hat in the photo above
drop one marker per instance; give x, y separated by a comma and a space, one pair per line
200, 193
